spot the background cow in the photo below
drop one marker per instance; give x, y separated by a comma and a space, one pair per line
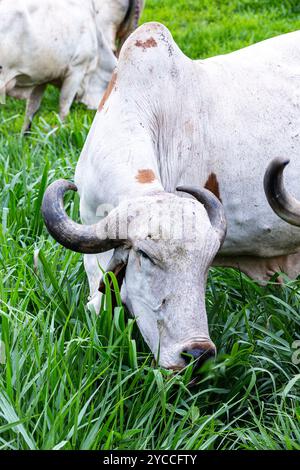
118, 19
169, 121
68, 43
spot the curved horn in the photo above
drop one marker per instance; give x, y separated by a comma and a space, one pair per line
76, 237
213, 206
282, 202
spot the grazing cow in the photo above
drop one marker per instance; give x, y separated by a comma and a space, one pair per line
168, 121
64, 42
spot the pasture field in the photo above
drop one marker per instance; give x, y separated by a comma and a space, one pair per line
71, 380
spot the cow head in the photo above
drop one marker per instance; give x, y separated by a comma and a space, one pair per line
165, 244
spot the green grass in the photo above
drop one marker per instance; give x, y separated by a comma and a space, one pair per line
72, 380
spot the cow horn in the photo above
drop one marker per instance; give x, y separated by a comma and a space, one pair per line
213, 206
282, 202
80, 238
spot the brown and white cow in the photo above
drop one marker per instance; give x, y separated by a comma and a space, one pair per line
68, 43
168, 121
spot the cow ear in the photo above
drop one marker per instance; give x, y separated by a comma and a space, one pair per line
117, 265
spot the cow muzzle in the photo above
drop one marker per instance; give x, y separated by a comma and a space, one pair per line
198, 354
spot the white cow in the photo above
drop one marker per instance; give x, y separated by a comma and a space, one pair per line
168, 121
68, 43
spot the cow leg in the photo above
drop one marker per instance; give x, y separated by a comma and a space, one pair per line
92, 265
68, 92
32, 106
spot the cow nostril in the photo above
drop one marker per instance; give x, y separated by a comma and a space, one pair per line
198, 354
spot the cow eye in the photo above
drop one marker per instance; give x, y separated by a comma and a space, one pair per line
144, 255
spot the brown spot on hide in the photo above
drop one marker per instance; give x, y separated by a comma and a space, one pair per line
145, 176
146, 44
108, 91
213, 185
